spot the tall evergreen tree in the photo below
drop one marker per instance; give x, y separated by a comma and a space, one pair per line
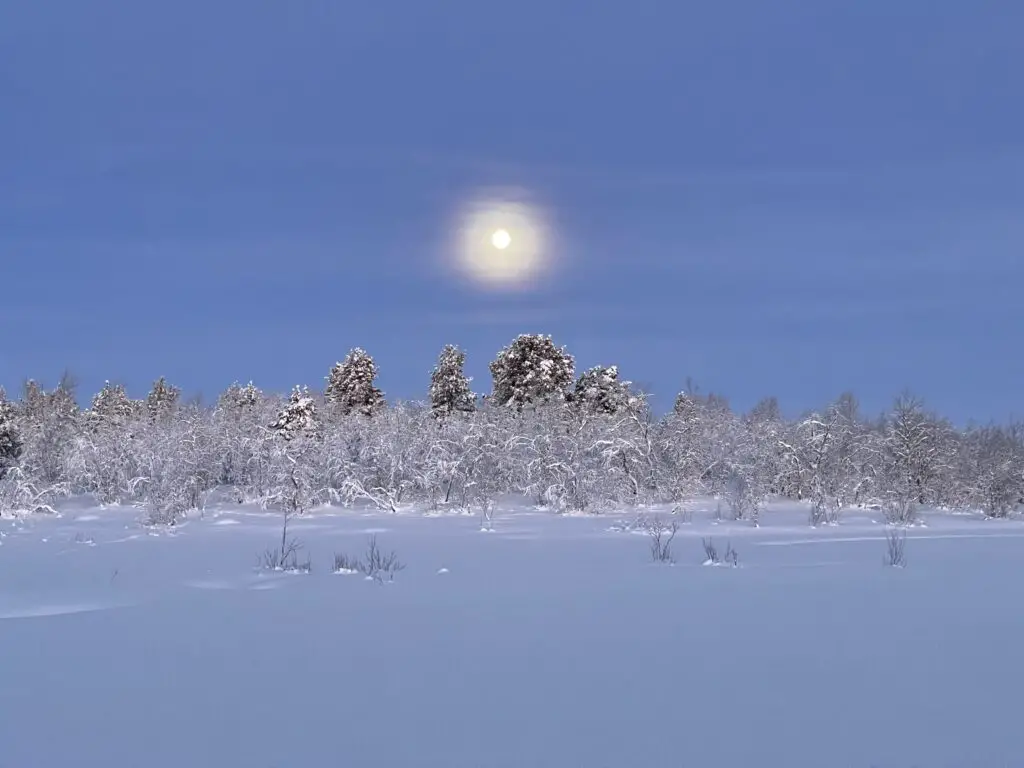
449, 385
350, 385
111, 406
298, 418
10, 438
47, 423
531, 371
239, 398
600, 391
162, 399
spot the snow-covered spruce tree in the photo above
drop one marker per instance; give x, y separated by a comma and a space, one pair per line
350, 387
48, 422
294, 483
238, 399
531, 371
449, 386
162, 399
111, 407
599, 390
10, 438
298, 419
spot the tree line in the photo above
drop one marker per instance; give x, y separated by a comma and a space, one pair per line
568, 442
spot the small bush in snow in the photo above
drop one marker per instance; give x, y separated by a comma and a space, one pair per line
900, 511
285, 557
378, 565
661, 540
345, 564
286, 560
375, 563
20, 494
895, 548
713, 557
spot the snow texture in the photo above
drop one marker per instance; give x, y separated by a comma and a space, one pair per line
554, 641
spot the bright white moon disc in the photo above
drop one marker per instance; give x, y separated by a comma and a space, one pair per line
501, 239
501, 243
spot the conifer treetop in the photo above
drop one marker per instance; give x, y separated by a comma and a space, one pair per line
530, 371
350, 384
449, 386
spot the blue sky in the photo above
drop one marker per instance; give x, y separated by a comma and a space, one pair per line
788, 198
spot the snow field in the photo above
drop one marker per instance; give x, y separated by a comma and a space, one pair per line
550, 641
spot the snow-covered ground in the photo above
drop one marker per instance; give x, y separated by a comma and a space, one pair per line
551, 641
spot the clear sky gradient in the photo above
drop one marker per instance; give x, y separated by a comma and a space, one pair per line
788, 198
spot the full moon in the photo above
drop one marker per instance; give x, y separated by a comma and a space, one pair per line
501, 239
501, 242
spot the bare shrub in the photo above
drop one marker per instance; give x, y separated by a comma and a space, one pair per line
710, 552
661, 540
731, 557
164, 513
895, 548
19, 494
345, 564
712, 556
900, 511
378, 565
825, 511
487, 514
285, 557
744, 497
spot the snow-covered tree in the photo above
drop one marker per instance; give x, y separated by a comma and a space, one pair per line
692, 444
599, 390
298, 418
177, 464
245, 441
295, 481
531, 371
350, 386
449, 386
825, 453
111, 407
10, 438
391, 451
996, 470
48, 422
741, 465
915, 452
237, 398
162, 399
